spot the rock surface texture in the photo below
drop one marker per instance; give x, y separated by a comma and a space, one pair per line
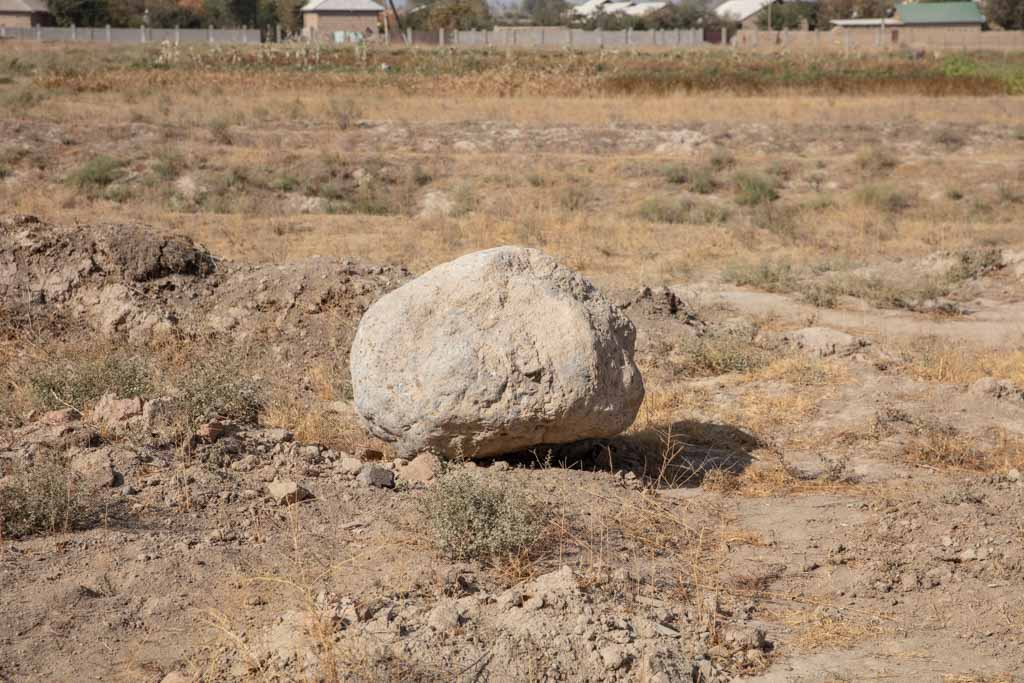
496, 351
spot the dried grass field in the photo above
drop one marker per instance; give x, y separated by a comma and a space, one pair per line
824, 260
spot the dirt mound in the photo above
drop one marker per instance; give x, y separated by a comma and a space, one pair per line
127, 280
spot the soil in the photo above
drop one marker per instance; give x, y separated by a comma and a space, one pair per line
813, 550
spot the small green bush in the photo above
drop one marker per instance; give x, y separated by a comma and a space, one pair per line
753, 189
476, 520
97, 173
782, 221
45, 497
220, 130
972, 263
721, 159
168, 165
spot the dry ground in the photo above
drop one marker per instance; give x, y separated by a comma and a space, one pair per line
858, 499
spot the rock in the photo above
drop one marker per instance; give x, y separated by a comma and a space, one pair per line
116, 412
212, 431
277, 435
95, 468
995, 388
444, 617
614, 657
375, 475
61, 417
422, 470
824, 341
176, 677
287, 492
494, 352
1013, 474
349, 465
158, 414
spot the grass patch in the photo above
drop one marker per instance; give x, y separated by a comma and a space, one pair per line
680, 211
875, 160
213, 388
733, 349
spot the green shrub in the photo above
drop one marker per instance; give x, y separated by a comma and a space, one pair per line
885, 198
168, 165
753, 189
45, 497
721, 159
80, 382
97, 173
476, 520
220, 130
972, 263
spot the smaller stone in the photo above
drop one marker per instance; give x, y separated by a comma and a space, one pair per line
1013, 474
369, 454
500, 466
444, 617
422, 470
116, 412
349, 465
95, 468
287, 492
176, 677
212, 431
277, 435
614, 657
947, 541
375, 475
61, 417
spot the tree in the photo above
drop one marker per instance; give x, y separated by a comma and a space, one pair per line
546, 12
789, 15
1008, 14
449, 14
852, 9
80, 12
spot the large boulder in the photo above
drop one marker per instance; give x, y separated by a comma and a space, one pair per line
494, 352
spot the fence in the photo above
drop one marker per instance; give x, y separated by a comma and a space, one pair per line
106, 34
556, 37
875, 39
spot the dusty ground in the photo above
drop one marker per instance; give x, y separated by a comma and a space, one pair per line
829, 453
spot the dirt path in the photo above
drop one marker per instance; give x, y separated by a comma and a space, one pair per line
990, 324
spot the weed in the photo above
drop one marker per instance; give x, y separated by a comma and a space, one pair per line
220, 131
767, 275
876, 160
682, 211
474, 519
169, 164
734, 349
96, 174
677, 173
721, 159
703, 181
212, 387
950, 138
575, 197
82, 381
780, 220
753, 189
45, 497
885, 198
973, 263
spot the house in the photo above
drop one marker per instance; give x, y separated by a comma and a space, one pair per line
24, 13
932, 16
346, 16
747, 12
591, 8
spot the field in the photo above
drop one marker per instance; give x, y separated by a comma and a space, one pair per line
823, 257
